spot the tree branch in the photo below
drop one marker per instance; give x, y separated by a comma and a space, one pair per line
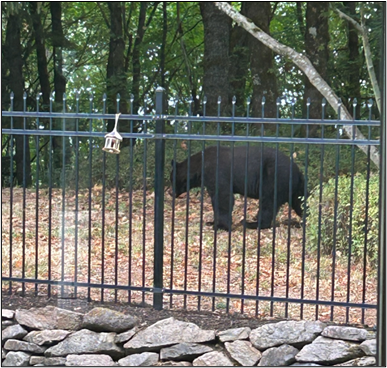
307, 67
362, 30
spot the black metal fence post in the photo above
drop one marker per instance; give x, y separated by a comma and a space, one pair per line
381, 317
159, 200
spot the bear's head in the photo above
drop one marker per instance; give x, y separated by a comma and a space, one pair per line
179, 183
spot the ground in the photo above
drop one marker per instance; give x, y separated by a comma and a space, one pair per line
146, 314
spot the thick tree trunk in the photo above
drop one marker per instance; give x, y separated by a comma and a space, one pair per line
262, 62
307, 67
137, 54
217, 27
44, 78
61, 146
116, 76
316, 47
14, 59
239, 64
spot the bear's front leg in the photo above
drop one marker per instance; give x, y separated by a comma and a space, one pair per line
222, 211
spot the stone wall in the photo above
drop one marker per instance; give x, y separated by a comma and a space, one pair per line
52, 336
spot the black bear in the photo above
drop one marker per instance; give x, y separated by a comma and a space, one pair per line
217, 170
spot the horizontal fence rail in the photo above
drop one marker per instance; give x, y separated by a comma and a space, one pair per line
80, 222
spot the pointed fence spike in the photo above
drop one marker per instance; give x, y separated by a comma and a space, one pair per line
205, 99
131, 97
263, 100
118, 97
219, 100
278, 101
11, 95
370, 102
323, 102
248, 101
24, 95
354, 102
308, 101
104, 97
234, 100
64, 96
91, 97
339, 102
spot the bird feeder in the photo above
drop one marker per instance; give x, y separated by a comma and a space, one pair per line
113, 139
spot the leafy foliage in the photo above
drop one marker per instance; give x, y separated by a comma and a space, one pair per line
342, 216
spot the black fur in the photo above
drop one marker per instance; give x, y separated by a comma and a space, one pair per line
221, 206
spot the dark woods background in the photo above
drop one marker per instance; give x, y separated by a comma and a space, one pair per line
82, 50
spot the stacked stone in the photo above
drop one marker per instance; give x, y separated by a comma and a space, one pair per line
53, 336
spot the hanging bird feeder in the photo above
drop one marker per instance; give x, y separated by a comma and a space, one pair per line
113, 139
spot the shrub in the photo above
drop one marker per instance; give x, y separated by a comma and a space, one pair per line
343, 236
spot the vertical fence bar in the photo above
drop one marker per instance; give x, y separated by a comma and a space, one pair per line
76, 219
90, 193
144, 175
381, 318
25, 142
245, 213
37, 158
323, 104
201, 207
159, 200
116, 214
130, 203
11, 202
173, 205
187, 208
50, 202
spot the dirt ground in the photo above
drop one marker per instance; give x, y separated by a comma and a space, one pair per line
147, 315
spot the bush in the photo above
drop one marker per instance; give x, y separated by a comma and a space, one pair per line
344, 238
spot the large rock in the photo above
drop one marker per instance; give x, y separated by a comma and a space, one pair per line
345, 333
277, 357
46, 337
297, 333
28, 347
369, 347
243, 352
7, 313
213, 359
13, 332
49, 318
125, 336
89, 360
233, 334
329, 351
49, 362
172, 363
366, 361
165, 333
184, 351
107, 320
16, 359
139, 360
87, 342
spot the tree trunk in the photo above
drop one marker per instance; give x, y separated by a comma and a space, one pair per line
239, 64
354, 63
217, 27
316, 47
40, 46
136, 55
61, 146
14, 59
116, 76
262, 62
307, 67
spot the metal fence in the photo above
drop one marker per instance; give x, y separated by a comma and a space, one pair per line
105, 227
